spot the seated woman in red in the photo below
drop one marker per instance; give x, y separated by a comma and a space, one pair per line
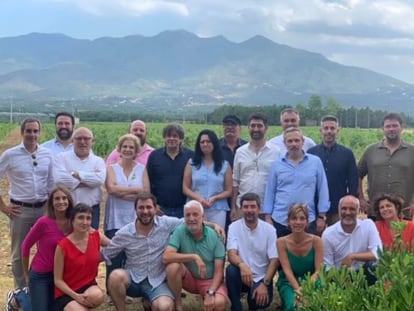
388, 208
76, 264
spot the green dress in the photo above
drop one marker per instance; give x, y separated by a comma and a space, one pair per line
301, 266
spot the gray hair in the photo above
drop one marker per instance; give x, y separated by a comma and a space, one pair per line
194, 203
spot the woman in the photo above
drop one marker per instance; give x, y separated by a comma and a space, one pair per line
300, 254
388, 209
124, 180
76, 264
207, 178
46, 233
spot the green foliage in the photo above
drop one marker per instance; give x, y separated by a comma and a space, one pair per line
344, 290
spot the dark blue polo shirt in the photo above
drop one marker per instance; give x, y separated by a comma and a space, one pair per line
341, 171
227, 152
166, 179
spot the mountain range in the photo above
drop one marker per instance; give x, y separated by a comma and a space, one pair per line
177, 70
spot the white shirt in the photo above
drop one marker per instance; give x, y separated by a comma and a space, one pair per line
250, 169
278, 142
337, 244
254, 247
30, 174
92, 173
56, 147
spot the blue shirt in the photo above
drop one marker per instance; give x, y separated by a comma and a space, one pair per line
205, 182
341, 171
228, 154
302, 183
166, 177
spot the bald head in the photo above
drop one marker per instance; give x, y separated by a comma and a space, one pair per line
139, 129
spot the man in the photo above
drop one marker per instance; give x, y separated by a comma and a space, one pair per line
388, 164
231, 140
289, 117
296, 177
340, 166
252, 253
28, 167
166, 171
144, 241
82, 172
252, 163
195, 260
351, 242
139, 129
64, 124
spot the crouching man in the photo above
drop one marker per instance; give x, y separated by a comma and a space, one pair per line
195, 260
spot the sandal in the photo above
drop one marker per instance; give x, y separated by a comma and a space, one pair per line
11, 301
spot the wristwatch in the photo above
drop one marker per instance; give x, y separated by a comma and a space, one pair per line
323, 217
211, 292
266, 282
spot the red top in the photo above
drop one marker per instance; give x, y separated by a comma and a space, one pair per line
387, 237
80, 269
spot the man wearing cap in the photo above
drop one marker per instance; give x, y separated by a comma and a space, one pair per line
231, 140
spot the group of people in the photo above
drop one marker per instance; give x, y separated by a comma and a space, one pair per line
275, 198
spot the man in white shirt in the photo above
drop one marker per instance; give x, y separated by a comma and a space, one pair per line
252, 163
139, 129
289, 117
64, 124
252, 253
82, 172
28, 167
352, 242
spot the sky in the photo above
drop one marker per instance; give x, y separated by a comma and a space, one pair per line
373, 34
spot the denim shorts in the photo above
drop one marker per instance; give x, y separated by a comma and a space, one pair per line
145, 290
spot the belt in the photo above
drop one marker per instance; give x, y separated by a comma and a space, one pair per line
31, 205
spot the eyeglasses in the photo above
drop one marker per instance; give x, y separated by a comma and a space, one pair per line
82, 138
34, 160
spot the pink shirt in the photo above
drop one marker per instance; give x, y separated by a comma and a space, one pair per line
142, 157
46, 234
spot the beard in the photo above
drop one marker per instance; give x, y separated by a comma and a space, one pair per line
145, 221
64, 134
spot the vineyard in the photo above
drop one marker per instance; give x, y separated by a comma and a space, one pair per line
107, 133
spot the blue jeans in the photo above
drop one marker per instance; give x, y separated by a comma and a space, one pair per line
95, 216
282, 230
117, 262
42, 290
235, 286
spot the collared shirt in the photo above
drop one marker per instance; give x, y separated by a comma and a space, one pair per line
255, 247
142, 157
341, 171
29, 174
144, 253
251, 169
337, 244
388, 173
56, 147
92, 173
166, 177
302, 183
210, 248
229, 154
279, 142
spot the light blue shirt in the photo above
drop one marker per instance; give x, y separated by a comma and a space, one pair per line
207, 183
288, 184
56, 147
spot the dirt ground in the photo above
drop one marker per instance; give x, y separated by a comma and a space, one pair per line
191, 302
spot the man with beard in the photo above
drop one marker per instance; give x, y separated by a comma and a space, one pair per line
252, 253
64, 124
82, 172
289, 117
388, 164
195, 260
340, 166
352, 242
166, 171
143, 241
139, 129
252, 163
296, 177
